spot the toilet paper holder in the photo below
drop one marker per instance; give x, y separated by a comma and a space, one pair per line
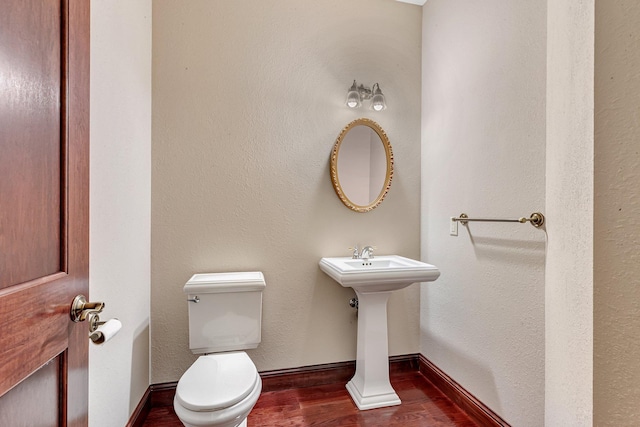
94, 322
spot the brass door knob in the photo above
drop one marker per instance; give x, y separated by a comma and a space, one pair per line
81, 308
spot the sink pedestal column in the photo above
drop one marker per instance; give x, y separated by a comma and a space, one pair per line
370, 387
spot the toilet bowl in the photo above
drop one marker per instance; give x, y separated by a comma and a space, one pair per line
223, 385
218, 390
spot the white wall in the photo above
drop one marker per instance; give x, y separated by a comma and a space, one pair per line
483, 153
570, 201
248, 100
592, 324
617, 214
120, 204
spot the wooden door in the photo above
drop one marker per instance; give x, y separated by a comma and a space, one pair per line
44, 210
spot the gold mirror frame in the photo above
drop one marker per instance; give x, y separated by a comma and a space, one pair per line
334, 165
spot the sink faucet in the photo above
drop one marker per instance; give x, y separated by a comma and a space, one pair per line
367, 252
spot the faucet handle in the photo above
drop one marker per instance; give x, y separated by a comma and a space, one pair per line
355, 252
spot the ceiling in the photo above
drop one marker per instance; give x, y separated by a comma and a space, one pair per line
418, 2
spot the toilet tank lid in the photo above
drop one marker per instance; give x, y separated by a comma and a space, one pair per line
225, 282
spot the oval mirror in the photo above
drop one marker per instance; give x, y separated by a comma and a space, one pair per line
362, 165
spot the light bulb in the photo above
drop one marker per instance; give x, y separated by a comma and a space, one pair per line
353, 96
377, 101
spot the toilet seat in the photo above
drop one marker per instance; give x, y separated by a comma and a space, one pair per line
217, 381
235, 416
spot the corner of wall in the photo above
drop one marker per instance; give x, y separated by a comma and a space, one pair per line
570, 209
120, 203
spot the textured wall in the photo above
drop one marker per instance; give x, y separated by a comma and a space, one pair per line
248, 99
569, 265
483, 153
617, 214
120, 204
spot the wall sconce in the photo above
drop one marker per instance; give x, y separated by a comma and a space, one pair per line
357, 93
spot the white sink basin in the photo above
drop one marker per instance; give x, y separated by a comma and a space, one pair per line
379, 274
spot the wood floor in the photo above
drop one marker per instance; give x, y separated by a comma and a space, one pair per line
331, 405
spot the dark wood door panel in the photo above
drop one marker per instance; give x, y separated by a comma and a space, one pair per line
35, 323
30, 140
36, 400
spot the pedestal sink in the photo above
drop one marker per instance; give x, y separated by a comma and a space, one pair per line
373, 281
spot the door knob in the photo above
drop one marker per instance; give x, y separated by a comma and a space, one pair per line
81, 308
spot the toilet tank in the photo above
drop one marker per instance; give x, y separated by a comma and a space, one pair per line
228, 314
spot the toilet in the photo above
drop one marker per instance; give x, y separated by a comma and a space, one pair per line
225, 316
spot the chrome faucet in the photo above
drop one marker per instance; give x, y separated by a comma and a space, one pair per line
367, 252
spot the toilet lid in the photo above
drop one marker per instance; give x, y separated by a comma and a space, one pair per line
217, 381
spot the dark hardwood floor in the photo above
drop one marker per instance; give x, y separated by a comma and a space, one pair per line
330, 405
